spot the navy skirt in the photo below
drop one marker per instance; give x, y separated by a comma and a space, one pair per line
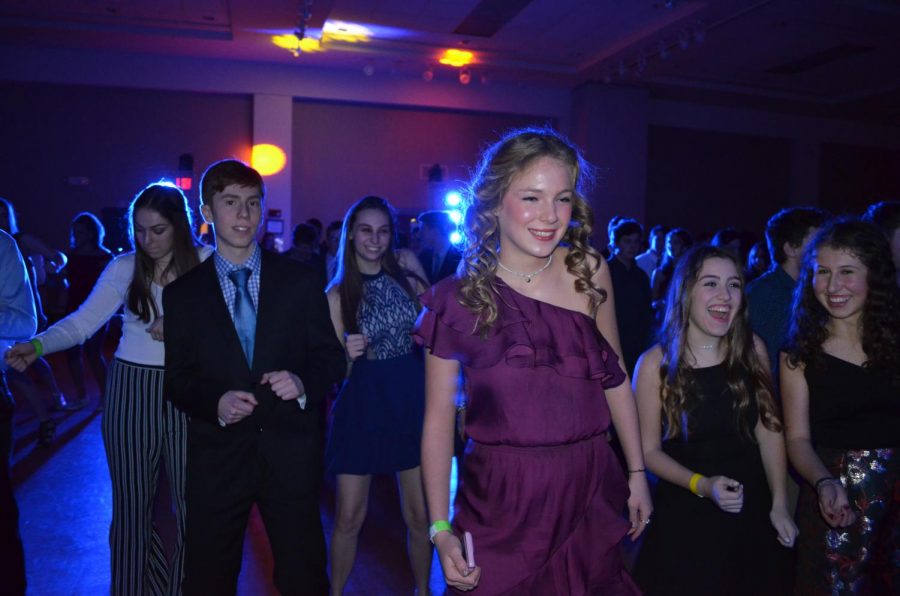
377, 418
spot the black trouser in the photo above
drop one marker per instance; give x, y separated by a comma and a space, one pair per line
226, 475
12, 557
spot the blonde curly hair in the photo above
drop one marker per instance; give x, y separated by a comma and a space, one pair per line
501, 162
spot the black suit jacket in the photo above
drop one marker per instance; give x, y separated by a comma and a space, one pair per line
204, 358
448, 266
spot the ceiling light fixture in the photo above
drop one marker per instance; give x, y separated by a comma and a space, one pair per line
297, 42
457, 58
347, 32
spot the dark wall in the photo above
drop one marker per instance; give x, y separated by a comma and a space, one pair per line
851, 177
117, 140
343, 152
703, 180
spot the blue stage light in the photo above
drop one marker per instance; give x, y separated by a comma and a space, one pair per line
452, 199
455, 216
455, 237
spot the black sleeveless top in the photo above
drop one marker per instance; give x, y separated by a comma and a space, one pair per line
712, 421
852, 407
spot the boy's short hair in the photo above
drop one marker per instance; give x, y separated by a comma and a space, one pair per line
304, 233
625, 227
224, 173
439, 220
791, 225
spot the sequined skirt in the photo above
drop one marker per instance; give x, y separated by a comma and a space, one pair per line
863, 558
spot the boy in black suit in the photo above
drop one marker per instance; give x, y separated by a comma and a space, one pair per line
250, 355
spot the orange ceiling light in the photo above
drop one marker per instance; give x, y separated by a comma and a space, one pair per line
267, 159
457, 58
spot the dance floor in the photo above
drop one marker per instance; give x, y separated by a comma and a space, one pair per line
64, 496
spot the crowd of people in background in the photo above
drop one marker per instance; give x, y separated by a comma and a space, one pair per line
754, 383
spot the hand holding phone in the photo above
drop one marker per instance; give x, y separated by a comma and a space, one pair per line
468, 550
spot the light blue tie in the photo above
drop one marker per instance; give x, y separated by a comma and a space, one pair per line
244, 314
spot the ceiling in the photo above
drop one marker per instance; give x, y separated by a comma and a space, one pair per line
834, 57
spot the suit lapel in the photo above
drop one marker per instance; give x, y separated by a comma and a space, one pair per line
266, 311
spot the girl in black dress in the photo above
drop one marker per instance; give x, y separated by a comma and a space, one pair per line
711, 432
840, 381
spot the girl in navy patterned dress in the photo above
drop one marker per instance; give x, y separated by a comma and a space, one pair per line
377, 425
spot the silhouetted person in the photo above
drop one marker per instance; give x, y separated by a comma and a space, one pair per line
439, 256
634, 311
769, 297
17, 322
87, 260
304, 249
886, 217
652, 257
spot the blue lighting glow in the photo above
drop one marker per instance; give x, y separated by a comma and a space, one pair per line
453, 199
455, 216
455, 237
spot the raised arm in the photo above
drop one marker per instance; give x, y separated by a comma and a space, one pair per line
36, 246
624, 413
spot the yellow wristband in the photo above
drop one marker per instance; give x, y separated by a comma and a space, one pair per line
695, 480
440, 525
38, 348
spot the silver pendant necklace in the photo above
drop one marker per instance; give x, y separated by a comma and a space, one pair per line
527, 276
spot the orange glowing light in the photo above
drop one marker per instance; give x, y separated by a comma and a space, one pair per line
457, 58
291, 43
267, 159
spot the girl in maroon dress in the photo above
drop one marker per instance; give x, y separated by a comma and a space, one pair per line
530, 324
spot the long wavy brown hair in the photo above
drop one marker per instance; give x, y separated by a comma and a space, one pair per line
880, 333
748, 377
501, 162
348, 278
167, 200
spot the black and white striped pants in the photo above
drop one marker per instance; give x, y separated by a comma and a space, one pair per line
140, 429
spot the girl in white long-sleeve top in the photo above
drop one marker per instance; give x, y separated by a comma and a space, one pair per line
139, 427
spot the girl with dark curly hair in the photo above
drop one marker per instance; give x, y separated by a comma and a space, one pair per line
529, 323
840, 381
710, 428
